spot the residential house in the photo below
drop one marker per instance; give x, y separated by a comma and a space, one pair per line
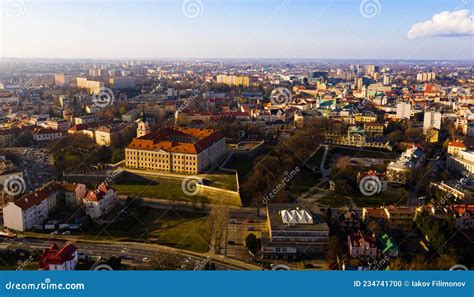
362, 246
55, 258
99, 202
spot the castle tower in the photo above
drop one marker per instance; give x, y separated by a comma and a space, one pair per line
143, 128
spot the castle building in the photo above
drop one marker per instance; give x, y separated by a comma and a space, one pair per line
179, 150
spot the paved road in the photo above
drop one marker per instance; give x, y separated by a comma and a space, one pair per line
135, 253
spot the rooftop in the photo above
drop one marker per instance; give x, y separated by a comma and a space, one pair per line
178, 140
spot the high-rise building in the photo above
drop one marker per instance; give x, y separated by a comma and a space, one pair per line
432, 120
371, 69
233, 80
94, 87
425, 76
403, 110
62, 79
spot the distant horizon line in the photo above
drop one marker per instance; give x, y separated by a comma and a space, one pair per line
213, 59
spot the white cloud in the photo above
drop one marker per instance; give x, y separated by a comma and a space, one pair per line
456, 23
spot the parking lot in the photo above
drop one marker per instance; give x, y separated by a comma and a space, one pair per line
241, 223
37, 166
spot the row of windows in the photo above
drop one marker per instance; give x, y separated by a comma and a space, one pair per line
162, 156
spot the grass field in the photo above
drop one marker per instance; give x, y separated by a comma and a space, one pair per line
193, 235
183, 230
363, 153
334, 200
222, 180
160, 191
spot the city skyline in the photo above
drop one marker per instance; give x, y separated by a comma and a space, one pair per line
359, 30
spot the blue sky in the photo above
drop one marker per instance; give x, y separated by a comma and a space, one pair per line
226, 29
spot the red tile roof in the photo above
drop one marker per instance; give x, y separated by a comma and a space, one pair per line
178, 140
357, 239
34, 198
38, 196
459, 144
461, 208
99, 193
57, 256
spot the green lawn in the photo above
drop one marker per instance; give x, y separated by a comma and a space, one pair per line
160, 191
193, 235
183, 230
222, 180
334, 200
